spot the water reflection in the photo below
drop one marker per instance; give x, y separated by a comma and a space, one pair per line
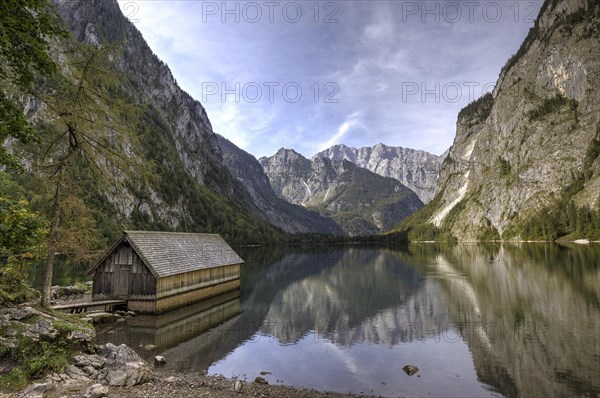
476, 319
66, 273
532, 314
172, 328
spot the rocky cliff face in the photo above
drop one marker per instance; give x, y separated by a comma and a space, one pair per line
360, 201
418, 170
519, 148
188, 125
258, 194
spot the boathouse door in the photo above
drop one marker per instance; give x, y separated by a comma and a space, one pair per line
122, 282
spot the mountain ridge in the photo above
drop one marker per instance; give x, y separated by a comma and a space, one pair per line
417, 169
360, 201
258, 193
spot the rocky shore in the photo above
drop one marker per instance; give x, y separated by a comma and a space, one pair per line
161, 385
94, 371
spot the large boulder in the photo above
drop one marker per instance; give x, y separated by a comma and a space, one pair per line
96, 391
124, 367
21, 313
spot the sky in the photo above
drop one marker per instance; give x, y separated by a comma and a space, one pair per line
309, 74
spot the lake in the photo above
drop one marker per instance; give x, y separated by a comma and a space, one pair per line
477, 320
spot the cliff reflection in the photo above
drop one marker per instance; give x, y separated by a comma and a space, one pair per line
529, 313
367, 295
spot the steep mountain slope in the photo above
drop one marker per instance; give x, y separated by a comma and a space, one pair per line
418, 170
257, 192
153, 83
184, 183
360, 201
533, 143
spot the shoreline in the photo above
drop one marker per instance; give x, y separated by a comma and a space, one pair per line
189, 385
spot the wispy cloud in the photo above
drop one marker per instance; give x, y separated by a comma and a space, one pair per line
368, 55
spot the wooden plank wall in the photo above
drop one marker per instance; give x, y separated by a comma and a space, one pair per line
179, 300
123, 275
178, 283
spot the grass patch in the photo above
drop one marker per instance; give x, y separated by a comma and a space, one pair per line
34, 359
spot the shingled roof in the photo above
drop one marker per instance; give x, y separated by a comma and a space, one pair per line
170, 253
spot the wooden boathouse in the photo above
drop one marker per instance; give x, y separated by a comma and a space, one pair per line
159, 271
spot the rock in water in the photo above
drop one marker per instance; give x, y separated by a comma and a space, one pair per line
103, 317
410, 369
260, 380
124, 367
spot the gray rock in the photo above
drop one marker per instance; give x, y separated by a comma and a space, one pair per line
95, 361
10, 342
96, 391
23, 313
159, 360
102, 317
150, 347
76, 374
410, 369
81, 335
261, 380
124, 367
55, 377
238, 386
41, 328
37, 390
170, 379
91, 372
256, 190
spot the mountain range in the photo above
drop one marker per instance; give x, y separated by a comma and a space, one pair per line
523, 155
191, 178
360, 201
418, 170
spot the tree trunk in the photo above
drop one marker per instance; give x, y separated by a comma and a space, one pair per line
53, 238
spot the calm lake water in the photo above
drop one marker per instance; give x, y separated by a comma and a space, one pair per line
477, 320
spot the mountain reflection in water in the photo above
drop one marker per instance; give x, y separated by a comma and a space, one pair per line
476, 319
